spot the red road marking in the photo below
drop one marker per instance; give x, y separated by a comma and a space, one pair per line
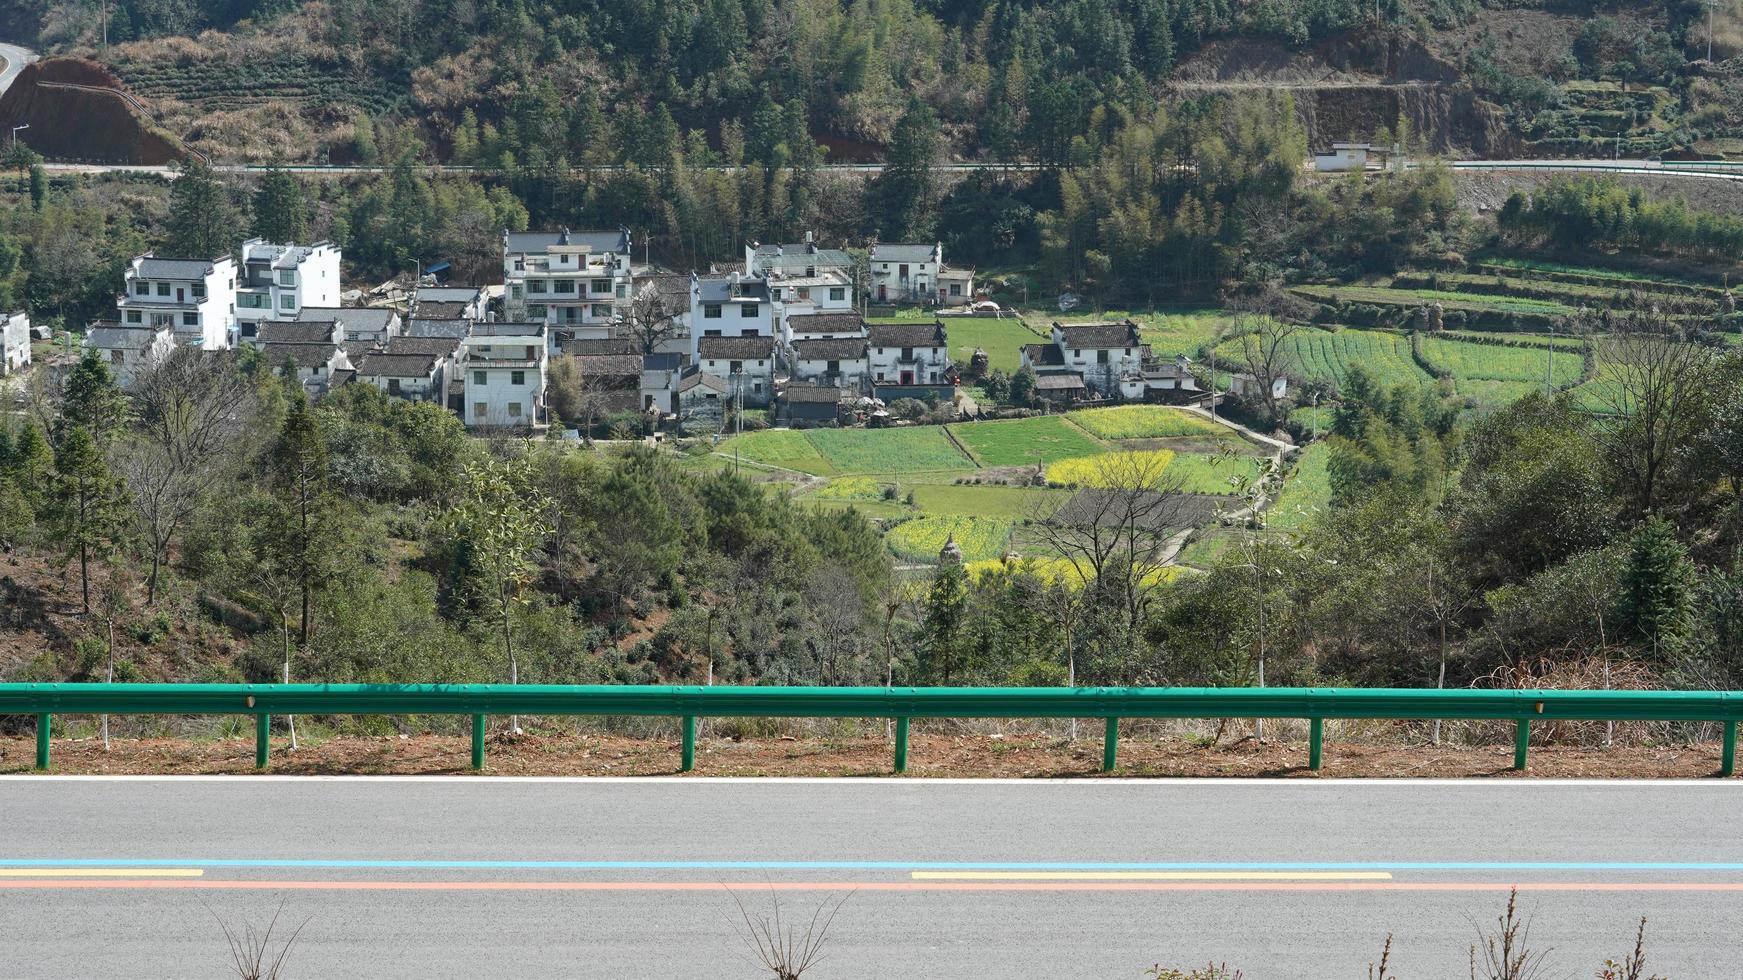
887, 886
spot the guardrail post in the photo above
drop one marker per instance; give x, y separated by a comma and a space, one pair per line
43, 723
262, 738
1521, 743
689, 762
1110, 745
477, 742
901, 745
1315, 738
1728, 757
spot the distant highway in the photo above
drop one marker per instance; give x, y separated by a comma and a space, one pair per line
1650, 168
1051, 880
12, 61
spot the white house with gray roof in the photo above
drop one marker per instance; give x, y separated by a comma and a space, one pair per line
278, 280
366, 324
130, 350
14, 342
733, 305
906, 273
503, 368
567, 279
195, 298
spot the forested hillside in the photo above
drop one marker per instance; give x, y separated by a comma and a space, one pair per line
578, 81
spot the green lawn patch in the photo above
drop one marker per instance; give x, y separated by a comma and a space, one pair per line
921, 448
969, 500
1020, 442
1145, 422
779, 447
1198, 473
1001, 338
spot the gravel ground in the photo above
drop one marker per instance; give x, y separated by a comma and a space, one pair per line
1027, 756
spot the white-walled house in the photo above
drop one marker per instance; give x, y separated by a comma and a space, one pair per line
566, 279
822, 326
503, 368
796, 261
131, 351
369, 324
195, 298
277, 281
318, 366
414, 377
733, 305
14, 342
1101, 352
916, 273
454, 302
275, 332
909, 353
746, 363
839, 363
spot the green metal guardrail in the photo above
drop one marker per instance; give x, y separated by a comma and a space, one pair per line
690, 703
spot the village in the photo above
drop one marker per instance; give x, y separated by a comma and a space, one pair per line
793, 334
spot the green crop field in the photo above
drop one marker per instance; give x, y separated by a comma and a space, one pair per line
1145, 422
1199, 473
1022, 442
1002, 339
1306, 490
1623, 278
921, 448
850, 488
779, 447
1494, 362
1560, 341
921, 539
1329, 354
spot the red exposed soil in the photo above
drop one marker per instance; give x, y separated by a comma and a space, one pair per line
1037, 757
78, 111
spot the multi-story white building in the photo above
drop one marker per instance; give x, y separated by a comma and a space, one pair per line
130, 350
797, 261
278, 281
899, 273
729, 306
14, 342
566, 279
504, 367
195, 298
909, 353
746, 364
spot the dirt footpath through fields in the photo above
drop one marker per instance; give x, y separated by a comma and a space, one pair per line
1026, 756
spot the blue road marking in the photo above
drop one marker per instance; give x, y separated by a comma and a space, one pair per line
879, 865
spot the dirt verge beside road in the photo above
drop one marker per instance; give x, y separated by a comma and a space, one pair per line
1024, 756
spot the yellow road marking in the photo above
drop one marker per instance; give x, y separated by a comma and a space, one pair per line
1151, 875
101, 872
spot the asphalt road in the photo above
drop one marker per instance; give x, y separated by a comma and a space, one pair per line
12, 61
631, 878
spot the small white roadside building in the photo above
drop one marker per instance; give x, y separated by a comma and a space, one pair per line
504, 369
14, 343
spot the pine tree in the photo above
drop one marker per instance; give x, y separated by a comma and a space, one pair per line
91, 400
38, 186
202, 220
300, 470
944, 640
907, 185
1658, 587
87, 507
281, 213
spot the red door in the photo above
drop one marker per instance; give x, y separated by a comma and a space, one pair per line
881, 293
907, 377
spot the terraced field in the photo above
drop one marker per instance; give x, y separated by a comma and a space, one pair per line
786, 448
987, 501
1196, 473
1383, 296
1622, 279
1329, 355
1494, 362
1306, 491
1024, 442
